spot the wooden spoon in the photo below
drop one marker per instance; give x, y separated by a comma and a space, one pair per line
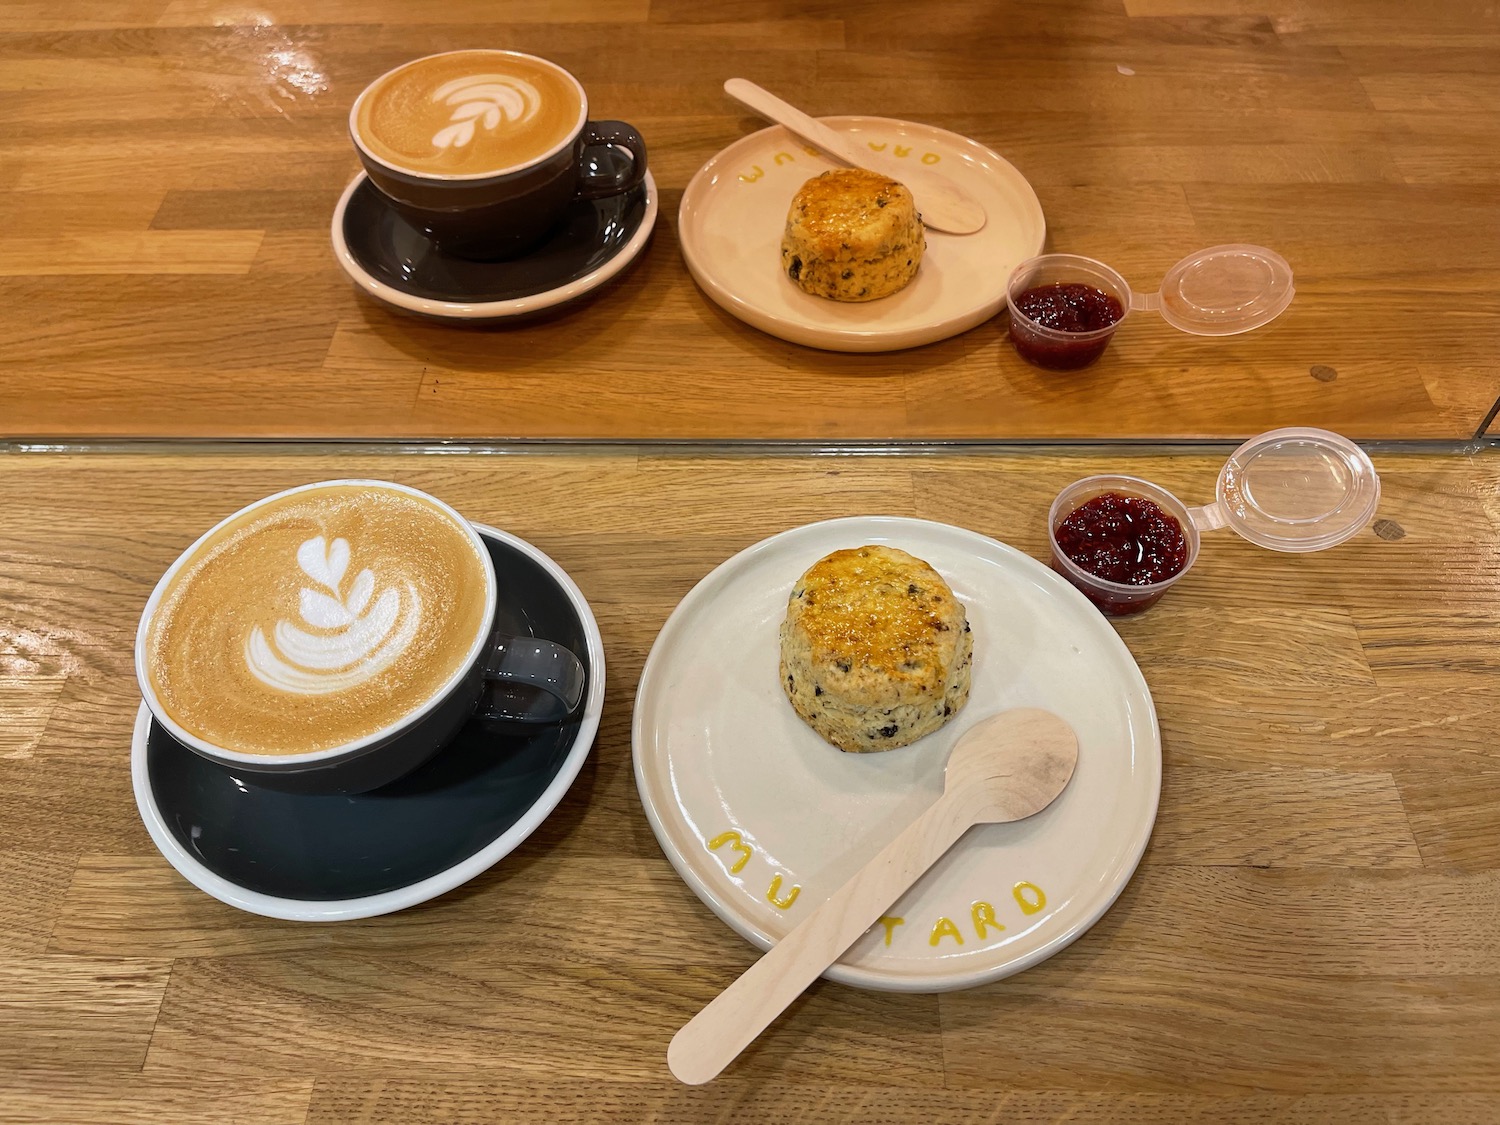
941, 203
1004, 768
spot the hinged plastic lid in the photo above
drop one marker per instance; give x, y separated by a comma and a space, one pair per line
1295, 489
1223, 290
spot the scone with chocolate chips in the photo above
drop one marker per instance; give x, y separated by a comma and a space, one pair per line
852, 235
875, 649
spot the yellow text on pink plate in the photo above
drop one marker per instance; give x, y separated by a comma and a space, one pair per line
756, 172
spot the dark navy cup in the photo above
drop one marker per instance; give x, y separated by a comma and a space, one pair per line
505, 214
522, 681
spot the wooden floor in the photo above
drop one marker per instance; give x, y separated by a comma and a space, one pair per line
168, 169
1311, 936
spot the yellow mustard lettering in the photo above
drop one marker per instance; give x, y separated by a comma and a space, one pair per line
759, 172
903, 150
782, 903
877, 147
1029, 896
811, 151
784, 158
890, 925
984, 919
944, 928
735, 841
930, 158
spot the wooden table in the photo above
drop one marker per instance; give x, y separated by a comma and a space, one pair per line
1311, 936
168, 169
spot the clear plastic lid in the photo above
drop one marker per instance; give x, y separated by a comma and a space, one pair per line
1222, 291
1296, 489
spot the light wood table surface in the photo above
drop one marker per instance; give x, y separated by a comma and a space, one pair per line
1311, 936
168, 169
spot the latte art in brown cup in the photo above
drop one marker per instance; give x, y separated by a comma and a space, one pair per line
468, 113
317, 618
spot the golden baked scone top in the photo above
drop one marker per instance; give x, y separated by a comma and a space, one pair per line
878, 610
846, 201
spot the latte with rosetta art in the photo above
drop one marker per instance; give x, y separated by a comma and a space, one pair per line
317, 619
468, 113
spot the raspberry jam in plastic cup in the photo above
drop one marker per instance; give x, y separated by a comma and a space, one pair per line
1064, 309
1124, 541
1121, 541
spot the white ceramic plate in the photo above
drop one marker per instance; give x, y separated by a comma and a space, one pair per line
734, 210
749, 803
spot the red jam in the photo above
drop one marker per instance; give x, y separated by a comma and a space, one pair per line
1124, 539
1063, 306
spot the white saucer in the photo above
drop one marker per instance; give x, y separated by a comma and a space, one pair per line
749, 803
734, 210
395, 263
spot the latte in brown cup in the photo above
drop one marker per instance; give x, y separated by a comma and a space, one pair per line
469, 113
318, 619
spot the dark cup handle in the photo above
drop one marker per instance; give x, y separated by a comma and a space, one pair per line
535, 681
610, 134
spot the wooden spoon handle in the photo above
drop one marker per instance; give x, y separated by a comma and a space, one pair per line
810, 129
943, 205
712, 1039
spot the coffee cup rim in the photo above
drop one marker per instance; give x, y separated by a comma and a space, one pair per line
347, 749
470, 177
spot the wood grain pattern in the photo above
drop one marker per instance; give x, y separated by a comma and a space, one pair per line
400, 1102
1310, 937
169, 168
149, 1099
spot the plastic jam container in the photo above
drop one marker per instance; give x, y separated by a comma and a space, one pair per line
1076, 304
1295, 490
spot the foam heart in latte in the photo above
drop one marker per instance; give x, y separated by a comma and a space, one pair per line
468, 113
317, 618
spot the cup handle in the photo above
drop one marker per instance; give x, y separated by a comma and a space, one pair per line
530, 663
615, 135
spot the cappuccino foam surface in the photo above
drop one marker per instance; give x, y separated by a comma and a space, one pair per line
316, 620
467, 113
